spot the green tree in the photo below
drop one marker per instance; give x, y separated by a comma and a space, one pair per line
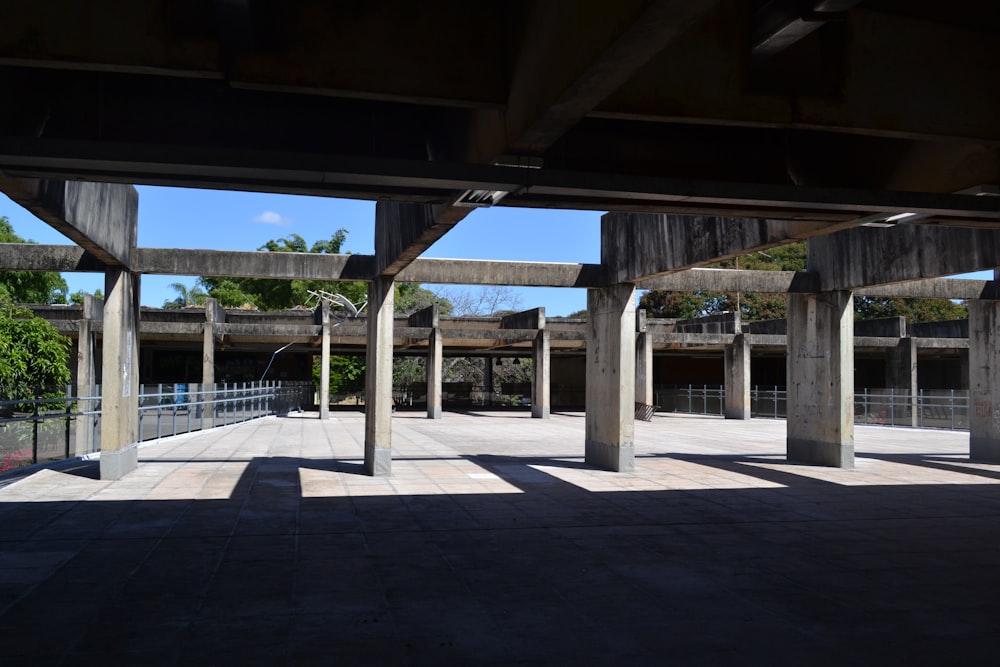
186, 296
76, 298
28, 286
34, 356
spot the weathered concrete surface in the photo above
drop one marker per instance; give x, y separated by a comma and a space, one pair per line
527, 319
869, 255
433, 372
737, 379
40, 257
735, 280
947, 329
241, 264
541, 371
723, 323
120, 375
639, 246
643, 360
821, 379
324, 361
882, 327
101, 217
378, 378
402, 232
901, 374
984, 380
610, 400
86, 374
491, 272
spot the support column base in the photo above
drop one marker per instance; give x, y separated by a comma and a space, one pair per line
737, 413
378, 460
540, 412
434, 413
984, 449
120, 462
815, 452
616, 458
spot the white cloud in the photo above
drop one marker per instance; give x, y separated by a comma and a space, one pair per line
272, 218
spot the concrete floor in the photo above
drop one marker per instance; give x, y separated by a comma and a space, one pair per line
493, 543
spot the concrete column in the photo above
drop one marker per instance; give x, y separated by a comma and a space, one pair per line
378, 378
901, 374
214, 315
963, 373
488, 379
541, 372
324, 361
86, 375
643, 361
120, 375
984, 380
820, 421
610, 400
737, 387
432, 371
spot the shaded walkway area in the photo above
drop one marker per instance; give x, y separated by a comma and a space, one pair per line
493, 543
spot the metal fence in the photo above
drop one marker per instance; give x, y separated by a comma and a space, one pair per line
40, 430
946, 409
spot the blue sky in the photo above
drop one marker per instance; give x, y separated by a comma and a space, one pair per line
222, 220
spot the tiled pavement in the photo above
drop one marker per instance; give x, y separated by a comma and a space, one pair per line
493, 543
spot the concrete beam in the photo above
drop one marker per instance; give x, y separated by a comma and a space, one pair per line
38, 257
734, 280
867, 256
237, 264
402, 232
489, 272
527, 319
639, 246
101, 217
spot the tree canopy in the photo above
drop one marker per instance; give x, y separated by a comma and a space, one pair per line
755, 306
28, 286
34, 356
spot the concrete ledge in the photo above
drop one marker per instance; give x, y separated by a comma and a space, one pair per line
831, 454
984, 449
616, 458
118, 463
378, 460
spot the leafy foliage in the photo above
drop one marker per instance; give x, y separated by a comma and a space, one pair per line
28, 286
34, 356
193, 296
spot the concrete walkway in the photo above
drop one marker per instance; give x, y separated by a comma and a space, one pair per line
493, 543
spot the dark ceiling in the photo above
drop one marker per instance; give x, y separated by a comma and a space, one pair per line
820, 110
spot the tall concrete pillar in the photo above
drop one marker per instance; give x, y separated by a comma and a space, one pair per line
643, 361
378, 378
820, 423
541, 372
901, 375
120, 375
432, 370
86, 376
737, 382
610, 400
324, 362
214, 316
984, 380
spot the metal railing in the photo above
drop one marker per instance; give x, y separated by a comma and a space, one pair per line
945, 409
40, 430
